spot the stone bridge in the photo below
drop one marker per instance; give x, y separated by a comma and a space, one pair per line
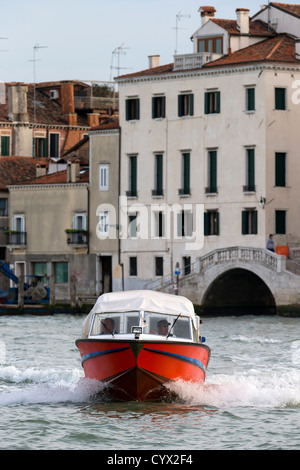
238, 280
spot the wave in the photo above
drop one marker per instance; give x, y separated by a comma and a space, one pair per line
252, 389
45, 386
254, 339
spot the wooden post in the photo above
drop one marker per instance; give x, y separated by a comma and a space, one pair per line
21, 292
52, 291
73, 291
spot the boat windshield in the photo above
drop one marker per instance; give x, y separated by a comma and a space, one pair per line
152, 323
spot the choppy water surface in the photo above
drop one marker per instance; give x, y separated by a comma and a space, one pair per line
251, 398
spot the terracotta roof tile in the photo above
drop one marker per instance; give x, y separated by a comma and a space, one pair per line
288, 7
153, 71
256, 27
14, 170
280, 48
60, 177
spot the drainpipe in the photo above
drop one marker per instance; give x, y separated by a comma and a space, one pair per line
119, 193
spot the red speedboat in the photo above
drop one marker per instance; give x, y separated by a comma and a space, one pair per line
137, 341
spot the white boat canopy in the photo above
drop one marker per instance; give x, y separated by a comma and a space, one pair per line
137, 300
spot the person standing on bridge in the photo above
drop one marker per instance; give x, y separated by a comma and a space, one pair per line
270, 243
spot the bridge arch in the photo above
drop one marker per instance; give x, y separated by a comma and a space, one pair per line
238, 291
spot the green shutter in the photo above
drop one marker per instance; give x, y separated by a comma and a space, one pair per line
5, 145
280, 169
213, 171
127, 110
159, 174
250, 99
218, 102
280, 98
137, 109
244, 222
206, 223
251, 169
280, 222
163, 106
206, 103
180, 106
217, 222
154, 107
133, 175
254, 231
191, 98
186, 173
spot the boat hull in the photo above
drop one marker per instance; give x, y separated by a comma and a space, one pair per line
138, 370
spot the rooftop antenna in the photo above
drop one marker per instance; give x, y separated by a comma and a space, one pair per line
34, 60
117, 52
178, 18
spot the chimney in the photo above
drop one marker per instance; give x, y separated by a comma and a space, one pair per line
17, 102
40, 170
93, 119
206, 13
75, 168
67, 103
153, 61
242, 20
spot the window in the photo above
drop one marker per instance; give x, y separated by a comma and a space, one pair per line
185, 175
5, 145
61, 273
186, 104
212, 102
132, 228
184, 224
54, 145
79, 223
159, 224
159, 266
132, 177
249, 222
211, 223
40, 269
19, 234
280, 169
103, 223
250, 99
280, 222
280, 98
186, 265
158, 178
39, 147
3, 206
103, 177
211, 45
132, 109
133, 266
158, 107
250, 171
212, 172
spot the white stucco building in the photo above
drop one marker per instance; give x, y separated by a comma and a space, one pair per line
210, 146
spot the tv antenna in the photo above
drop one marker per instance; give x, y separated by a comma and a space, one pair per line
117, 52
178, 18
34, 60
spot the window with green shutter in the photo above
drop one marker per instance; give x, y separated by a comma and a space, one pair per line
158, 107
212, 102
132, 109
250, 99
280, 222
5, 146
250, 171
211, 223
212, 172
158, 183
280, 169
185, 188
280, 98
186, 105
61, 273
132, 176
249, 222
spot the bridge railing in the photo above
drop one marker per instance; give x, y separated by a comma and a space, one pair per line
237, 253
167, 280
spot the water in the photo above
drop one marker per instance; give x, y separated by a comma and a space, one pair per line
251, 398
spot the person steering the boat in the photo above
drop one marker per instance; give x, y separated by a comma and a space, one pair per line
163, 327
108, 326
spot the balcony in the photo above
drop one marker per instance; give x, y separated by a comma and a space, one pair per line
14, 237
95, 102
184, 192
249, 188
76, 236
194, 61
211, 190
157, 192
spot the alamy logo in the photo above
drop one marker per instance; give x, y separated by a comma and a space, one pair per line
296, 93
165, 221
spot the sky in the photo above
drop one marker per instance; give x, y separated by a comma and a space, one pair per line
78, 39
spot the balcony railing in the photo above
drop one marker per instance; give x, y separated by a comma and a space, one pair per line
157, 192
184, 192
76, 237
14, 237
194, 61
95, 102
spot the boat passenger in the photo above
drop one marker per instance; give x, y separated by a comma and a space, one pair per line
108, 326
163, 327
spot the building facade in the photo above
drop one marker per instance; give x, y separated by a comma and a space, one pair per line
209, 147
